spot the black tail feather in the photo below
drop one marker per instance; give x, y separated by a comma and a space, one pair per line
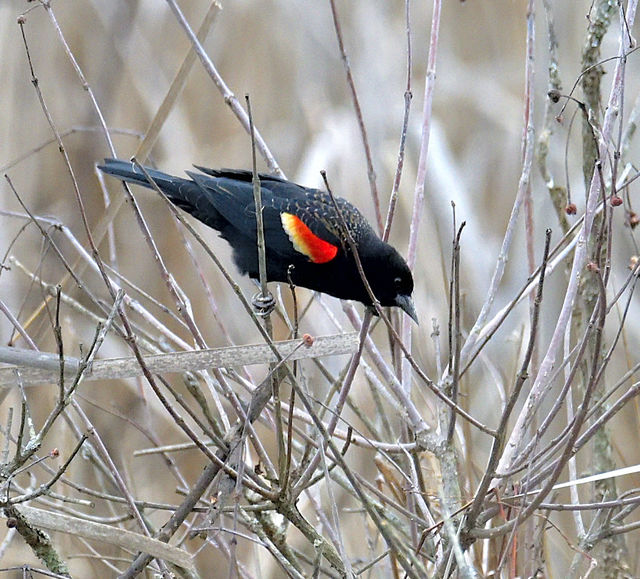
131, 173
190, 196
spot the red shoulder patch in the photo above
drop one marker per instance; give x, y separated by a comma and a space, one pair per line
305, 241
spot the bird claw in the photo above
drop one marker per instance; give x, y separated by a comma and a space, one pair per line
263, 304
373, 310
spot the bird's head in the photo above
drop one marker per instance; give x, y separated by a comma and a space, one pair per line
391, 280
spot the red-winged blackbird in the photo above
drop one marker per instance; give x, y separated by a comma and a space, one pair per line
301, 228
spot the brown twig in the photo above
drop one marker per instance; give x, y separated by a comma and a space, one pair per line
371, 174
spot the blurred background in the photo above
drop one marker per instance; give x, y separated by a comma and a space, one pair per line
285, 56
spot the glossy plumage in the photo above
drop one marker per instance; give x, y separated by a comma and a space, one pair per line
301, 228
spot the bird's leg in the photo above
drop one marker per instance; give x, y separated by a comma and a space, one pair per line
373, 310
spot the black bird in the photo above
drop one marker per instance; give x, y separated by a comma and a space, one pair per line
301, 228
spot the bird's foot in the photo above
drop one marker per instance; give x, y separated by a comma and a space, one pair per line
373, 310
263, 304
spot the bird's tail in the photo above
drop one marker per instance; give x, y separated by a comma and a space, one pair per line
131, 173
194, 197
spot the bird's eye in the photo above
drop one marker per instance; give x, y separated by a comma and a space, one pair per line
397, 282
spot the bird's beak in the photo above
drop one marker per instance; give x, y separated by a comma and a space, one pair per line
406, 304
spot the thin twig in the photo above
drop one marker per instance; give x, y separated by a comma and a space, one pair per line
371, 174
